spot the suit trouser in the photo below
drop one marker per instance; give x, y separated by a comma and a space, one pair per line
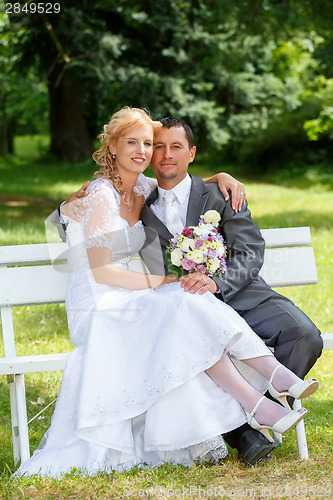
296, 340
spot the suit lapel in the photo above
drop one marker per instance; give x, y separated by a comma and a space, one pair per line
197, 201
149, 219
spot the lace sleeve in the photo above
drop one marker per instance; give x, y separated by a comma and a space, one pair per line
97, 222
145, 185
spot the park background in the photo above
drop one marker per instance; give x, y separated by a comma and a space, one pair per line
254, 79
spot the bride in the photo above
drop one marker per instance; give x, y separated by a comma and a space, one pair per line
153, 376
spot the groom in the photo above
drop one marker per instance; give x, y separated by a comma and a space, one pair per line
296, 340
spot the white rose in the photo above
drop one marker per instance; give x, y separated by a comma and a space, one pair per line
186, 244
203, 232
200, 231
220, 249
212, 217
176, 257
196, 256
213, 266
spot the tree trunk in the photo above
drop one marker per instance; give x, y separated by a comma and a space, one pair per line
6, 130
70, 138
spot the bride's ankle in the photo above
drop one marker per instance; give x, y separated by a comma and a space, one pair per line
269, 412
282, 378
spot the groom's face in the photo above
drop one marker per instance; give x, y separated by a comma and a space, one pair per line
172, 156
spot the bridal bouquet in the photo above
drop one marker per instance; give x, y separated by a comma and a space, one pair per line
198, 248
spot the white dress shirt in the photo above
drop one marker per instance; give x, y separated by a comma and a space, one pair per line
182, 193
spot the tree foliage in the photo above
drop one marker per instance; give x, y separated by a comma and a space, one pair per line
247, 75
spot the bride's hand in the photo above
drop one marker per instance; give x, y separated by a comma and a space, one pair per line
228, 183
157, 281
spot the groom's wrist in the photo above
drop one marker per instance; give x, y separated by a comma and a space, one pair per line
217, 287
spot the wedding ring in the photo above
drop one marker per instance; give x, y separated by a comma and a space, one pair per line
242, 192
204, 281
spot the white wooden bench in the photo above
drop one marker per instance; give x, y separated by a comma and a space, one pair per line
28, 277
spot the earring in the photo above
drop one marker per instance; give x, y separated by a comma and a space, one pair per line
113, 156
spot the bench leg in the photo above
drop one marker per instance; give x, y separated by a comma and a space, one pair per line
14, 418
19, 419
300, 434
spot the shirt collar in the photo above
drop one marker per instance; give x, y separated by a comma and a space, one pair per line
181, 190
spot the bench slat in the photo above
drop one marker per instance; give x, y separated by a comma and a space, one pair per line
289, 267
38, 253
286, 237
328, 340
57, 361
32, 285
35, 363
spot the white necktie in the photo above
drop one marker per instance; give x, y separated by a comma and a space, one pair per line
172, 217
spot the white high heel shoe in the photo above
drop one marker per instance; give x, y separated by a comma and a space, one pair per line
301, 390
281, 426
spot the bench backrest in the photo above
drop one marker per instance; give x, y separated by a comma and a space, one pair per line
288, 261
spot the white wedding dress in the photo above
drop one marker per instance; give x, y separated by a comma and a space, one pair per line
134, 391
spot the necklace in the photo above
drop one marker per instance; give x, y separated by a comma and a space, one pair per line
129, 205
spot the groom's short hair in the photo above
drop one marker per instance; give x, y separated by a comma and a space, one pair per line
170, 121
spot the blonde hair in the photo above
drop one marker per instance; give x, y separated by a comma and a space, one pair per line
120, 122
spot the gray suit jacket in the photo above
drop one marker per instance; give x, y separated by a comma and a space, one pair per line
240, 286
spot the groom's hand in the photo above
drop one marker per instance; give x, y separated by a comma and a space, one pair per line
74, 206
198, 282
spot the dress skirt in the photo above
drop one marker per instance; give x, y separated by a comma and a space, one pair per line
134, 391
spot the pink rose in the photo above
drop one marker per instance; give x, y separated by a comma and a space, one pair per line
198, 242
187, 264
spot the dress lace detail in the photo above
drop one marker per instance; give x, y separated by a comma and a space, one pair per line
217, 449
102, 226
144, 186
103, 206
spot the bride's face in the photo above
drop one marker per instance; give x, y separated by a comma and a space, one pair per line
134, 149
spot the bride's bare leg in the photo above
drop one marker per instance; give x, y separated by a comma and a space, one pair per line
225, 374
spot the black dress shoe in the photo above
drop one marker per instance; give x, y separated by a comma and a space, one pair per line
252, 445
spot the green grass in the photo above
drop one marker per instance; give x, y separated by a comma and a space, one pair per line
31, 185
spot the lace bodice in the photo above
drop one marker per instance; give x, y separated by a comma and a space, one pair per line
102, 225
